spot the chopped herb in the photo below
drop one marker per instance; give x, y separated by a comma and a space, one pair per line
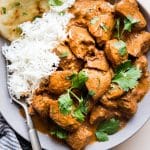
127, 76
59, 133
63, 55
78, 80
101, 136
24, 14
106, 128
81, 110
117, 34
79, 115
121, 46
91, 93
65, 103
94, 20
62, 13
128, 23
55, 2
104, 27
16, 4
36, 17
3, 10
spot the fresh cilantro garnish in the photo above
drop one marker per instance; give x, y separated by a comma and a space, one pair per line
79, 79
65, 103
55, 2
59, 133
79, 115
104, 27
121, 46
16, 4
62, 13
24, 14
63, 55
101, 136
81, 110
117, 34
3, 11
106, 128
91, 93
94, 20
128, 23
127, 76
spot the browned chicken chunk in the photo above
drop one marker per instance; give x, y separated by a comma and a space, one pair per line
84, 7
58, 82
127, 106
65, 121
41, 104
142, 63
129, 8
98, 61
79, 139
100, 113
68, 60
98, 82
101, 26
81, 43
138, 43
114, 52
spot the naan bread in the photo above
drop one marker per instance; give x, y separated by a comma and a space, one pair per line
15, 12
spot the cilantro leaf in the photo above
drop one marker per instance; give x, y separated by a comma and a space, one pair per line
121, 46
59, 133
117, 34
129, 22
78, 80
3, 11
91, 93
109, 126
106, 128
101, 136
63, 55
127, 76
55, 2
65, 103
94, 20
79, 115
104, 27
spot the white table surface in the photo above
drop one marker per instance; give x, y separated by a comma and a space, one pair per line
140, 141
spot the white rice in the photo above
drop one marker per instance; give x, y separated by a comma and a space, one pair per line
31, 55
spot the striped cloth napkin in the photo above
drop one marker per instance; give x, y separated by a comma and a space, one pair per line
9, 140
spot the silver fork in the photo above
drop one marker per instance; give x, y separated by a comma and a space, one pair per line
35, 143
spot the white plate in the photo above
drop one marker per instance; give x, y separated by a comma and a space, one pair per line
15, 120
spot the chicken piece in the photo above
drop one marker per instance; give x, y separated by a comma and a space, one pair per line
65, 121
81, 43
128, 107
114, 92
142, 45
13, 13
109, 103
142, 63
114, 54
129, 8
98, 82
79, 139
100, 113
79, 8
58, 82
97, 62
101, 26
41, 105
68, 60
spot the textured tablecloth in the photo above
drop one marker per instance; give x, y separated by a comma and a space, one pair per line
9, 140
